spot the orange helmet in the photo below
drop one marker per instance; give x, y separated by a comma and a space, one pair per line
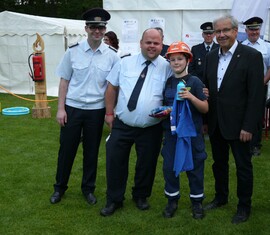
179, 47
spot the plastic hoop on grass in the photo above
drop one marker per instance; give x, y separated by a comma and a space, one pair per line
14, 111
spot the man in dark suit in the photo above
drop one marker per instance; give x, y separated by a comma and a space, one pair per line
196, 66
234, 77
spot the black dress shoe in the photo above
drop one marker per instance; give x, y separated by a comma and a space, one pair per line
256, 151
240, 216
141, 203
109, 209
197, 211
91, 199
214, 204
56, 197
170, 209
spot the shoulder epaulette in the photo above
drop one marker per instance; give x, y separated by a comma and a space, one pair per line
267, 41
74, 45
123, 56
113, 48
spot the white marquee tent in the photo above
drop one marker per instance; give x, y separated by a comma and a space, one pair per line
180, 20
17, 35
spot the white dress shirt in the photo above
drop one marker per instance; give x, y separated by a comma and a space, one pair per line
263, 47
125, 75
224, 60
86, 70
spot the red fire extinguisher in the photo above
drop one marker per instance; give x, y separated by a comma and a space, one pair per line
38, 68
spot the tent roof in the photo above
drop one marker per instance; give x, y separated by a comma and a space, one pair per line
12, 23
161, 5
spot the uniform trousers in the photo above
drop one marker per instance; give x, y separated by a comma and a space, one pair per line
147, 146
195, 176
90, 123
244, 169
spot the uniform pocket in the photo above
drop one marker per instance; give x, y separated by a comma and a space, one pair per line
80, 70
198, 147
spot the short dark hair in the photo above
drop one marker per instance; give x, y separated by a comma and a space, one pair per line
160, 30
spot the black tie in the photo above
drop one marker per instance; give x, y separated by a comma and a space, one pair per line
132, 103
207, 49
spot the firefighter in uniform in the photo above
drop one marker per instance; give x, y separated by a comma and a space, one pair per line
199, 51
253, 29
81, 106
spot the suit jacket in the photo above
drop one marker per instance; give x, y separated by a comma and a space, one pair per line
196, 66
237, 104
164, 50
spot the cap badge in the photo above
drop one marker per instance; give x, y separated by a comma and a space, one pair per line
97, 18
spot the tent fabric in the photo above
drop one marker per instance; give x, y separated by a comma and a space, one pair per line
12, 23
182, 20
154, 5
17, 35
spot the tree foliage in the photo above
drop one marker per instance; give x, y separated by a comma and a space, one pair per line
70, 9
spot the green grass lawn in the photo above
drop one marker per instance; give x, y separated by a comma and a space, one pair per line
28, 157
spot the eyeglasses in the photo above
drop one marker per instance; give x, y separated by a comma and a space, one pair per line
96, 27
206, 33
224, 31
